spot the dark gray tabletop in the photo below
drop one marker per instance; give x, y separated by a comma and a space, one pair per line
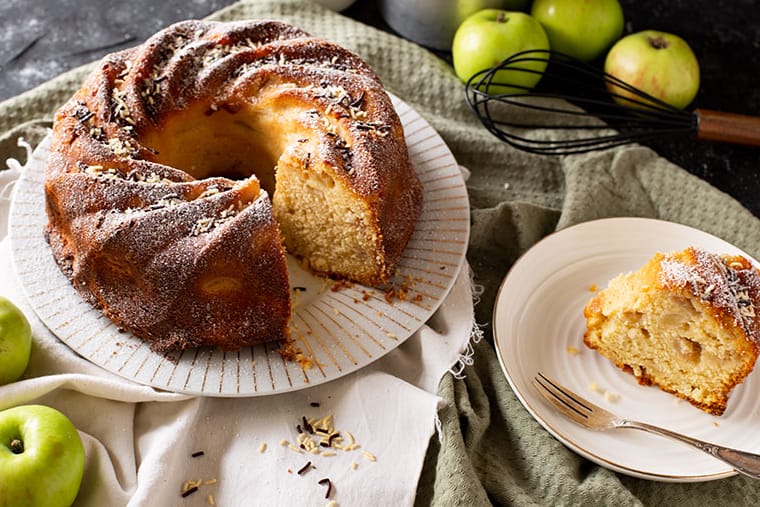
40, 39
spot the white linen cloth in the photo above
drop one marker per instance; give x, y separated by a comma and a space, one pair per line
139, 440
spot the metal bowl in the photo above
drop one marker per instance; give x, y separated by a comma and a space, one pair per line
433, 23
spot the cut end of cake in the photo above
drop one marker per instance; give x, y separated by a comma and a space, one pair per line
685, 322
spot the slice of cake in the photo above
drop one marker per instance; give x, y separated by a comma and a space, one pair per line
687, 322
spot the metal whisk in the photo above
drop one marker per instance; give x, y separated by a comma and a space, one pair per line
572, 101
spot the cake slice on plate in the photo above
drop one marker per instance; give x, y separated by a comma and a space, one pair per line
687, 322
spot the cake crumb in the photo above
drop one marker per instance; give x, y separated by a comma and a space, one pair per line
573, 351
289, 352
341, 284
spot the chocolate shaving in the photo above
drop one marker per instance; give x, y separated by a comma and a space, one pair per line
358, 101
304, 468
329, 486
86, 116
190, 491
197, 454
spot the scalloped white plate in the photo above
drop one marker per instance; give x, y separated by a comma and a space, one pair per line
538, 316
340, 331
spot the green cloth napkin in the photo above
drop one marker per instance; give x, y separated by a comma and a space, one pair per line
492, 451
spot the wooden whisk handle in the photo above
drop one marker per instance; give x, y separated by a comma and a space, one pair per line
728, 127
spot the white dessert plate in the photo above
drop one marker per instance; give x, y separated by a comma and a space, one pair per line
539, 326
340, 331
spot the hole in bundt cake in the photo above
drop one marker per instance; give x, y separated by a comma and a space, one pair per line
229, 142
321, 220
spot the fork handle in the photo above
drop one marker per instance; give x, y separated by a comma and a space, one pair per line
743, 462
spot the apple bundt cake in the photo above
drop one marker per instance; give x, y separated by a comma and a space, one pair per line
163, 164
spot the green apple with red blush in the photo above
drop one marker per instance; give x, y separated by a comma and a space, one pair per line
488, 37
658, 63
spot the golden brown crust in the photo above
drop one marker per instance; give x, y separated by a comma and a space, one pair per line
140, 239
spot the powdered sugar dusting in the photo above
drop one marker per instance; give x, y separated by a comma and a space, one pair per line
731, 284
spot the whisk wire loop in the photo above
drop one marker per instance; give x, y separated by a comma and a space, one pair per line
584, 108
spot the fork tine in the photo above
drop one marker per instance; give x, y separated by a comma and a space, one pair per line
563, 397
596, 418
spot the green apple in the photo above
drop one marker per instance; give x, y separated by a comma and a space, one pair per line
490, 36
583, 29
41, 458
657, 63
15, 342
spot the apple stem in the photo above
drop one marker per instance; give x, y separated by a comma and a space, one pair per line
17, 446
501, 17
658, 42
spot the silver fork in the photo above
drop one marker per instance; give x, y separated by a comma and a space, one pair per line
593, 417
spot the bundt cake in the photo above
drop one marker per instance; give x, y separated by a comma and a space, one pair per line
162, 166
686, 322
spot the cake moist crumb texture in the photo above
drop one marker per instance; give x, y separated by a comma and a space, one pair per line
686, 322
184, 168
